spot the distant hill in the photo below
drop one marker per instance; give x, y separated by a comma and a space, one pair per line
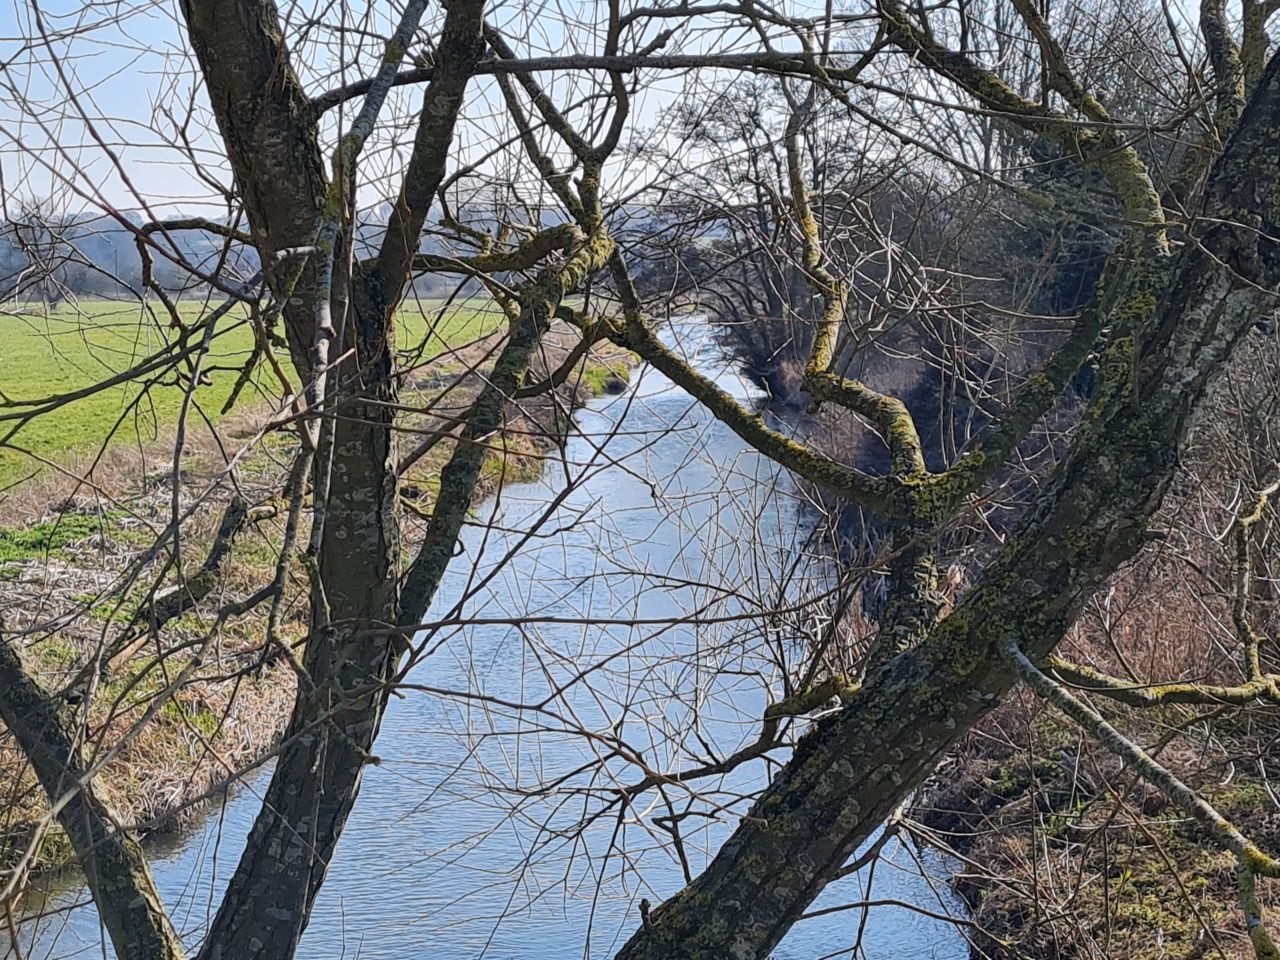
50, 256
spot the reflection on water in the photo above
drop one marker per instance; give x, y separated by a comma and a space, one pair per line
491, 831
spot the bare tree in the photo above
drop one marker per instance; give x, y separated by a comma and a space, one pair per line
1194, 270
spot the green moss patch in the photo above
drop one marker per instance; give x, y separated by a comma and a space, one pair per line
41, 540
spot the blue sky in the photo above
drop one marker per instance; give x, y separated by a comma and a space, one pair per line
128, 64
117, 70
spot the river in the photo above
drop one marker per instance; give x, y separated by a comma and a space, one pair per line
456, 848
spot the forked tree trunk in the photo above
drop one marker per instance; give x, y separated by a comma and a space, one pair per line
270, 130
347, 658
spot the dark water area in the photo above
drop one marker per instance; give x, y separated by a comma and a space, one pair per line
484, 831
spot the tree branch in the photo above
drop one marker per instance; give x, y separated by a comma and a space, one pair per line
845, 481
1103, 150
771, 63
114, 864
1150, 695
460, 47
1252, 861
539, 301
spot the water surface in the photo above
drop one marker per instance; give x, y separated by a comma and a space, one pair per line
485, 830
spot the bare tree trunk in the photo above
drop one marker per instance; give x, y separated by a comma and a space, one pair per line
270, 129
348, 657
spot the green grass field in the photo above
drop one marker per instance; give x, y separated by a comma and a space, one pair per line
44, 352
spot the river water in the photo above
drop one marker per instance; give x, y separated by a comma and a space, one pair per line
483, 831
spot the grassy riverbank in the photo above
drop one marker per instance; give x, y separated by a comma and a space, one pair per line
54, 351
1067, 855
64, 544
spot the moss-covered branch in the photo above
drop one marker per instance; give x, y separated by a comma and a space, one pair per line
1153, 694
1250, 640
1124, 301
539, 301
887, 414
1105, 149
523, 256
845, 481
